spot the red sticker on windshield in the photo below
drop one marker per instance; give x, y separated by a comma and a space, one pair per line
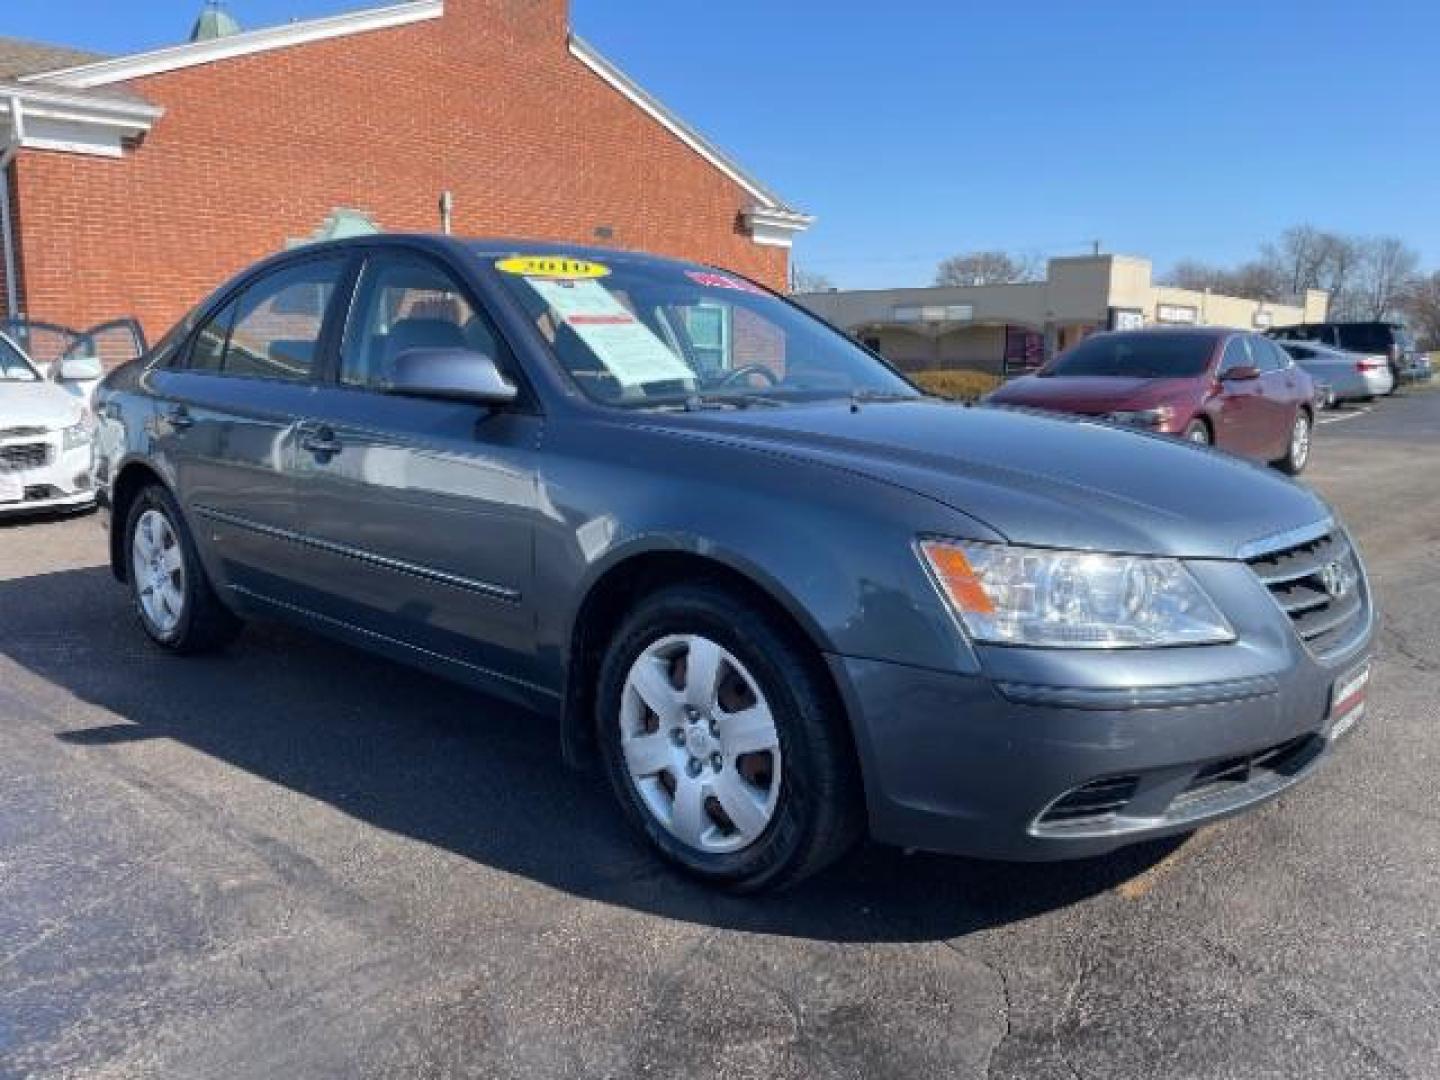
712, 280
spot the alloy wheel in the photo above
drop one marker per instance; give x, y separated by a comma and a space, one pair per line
158, 566
1300, 441
700, 744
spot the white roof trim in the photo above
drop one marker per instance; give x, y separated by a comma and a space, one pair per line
775, 228
131, 117
138, 65
587, 55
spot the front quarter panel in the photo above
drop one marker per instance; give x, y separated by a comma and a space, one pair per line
836, 550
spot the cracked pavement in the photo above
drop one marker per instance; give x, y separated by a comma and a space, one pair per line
296, 860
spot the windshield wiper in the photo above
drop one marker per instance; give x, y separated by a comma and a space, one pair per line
737, 401
870, 397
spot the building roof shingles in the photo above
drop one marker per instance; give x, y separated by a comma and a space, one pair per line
18, 57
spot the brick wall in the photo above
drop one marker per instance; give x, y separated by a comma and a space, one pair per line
486, 102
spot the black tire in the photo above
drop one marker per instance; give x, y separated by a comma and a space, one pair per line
1295, 460
1198, 432
819, 813
205, 624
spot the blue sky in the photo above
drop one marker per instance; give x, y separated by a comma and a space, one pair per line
916, 129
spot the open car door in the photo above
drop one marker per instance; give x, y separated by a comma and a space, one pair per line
52, 348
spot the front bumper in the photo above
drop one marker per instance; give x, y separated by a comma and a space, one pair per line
1161, 740
37, 475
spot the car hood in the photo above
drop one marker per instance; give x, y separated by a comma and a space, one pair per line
1090, 394
37, 404
1034, 478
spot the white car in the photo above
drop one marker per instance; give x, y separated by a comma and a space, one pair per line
1350, 376
47, 433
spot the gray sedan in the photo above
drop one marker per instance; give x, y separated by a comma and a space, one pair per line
778, 596
1350, 376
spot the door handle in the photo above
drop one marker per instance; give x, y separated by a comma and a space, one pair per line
321, 442
179, 418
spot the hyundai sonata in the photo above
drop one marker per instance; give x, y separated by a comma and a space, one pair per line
777, 595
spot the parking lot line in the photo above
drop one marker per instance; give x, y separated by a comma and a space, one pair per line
1342, 419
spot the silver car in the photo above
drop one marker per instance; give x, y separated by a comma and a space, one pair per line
1350, 376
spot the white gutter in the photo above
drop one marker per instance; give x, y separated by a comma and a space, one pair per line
7, 232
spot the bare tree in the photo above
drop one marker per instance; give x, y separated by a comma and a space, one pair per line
807, 281
1256, 280
1388, 270
986, 268
1196, 275
1420, 304
1300, 257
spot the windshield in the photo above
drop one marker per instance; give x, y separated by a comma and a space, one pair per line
13, 366
641, 335
1146, 355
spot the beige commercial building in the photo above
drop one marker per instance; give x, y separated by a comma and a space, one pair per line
998, 328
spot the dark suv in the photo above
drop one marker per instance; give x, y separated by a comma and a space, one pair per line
1390, 340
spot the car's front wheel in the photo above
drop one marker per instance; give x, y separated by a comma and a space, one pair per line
1297, 454
172, 595
723, 742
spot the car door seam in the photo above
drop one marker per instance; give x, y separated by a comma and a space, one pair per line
443, 577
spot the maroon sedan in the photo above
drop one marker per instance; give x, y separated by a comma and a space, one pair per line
1234, 390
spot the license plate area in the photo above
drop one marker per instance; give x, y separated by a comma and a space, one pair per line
12, 487
1347, 700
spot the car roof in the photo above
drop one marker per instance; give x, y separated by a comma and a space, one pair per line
487, 247
1175, 331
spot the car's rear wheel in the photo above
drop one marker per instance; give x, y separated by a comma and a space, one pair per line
1198, 432
173, 598
1297, 455
723, 742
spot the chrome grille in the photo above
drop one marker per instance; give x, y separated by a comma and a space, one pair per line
24, 456
1303, 579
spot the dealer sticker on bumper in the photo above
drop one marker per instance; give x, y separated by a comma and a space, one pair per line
1347, 700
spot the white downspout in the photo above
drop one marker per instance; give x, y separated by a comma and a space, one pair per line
7, 229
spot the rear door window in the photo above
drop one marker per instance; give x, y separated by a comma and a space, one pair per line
277, 321
207, 350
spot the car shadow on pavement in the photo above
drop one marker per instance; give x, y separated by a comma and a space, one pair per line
422, 758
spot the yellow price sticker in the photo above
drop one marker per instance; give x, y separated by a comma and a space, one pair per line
556, 267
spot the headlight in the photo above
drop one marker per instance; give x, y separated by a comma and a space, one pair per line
77, 435
1072, 599
1142, 417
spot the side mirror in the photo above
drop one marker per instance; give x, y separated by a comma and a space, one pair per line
80, 369
1241, 373
451, 375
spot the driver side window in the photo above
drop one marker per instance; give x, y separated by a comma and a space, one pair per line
406, 302
1236, 355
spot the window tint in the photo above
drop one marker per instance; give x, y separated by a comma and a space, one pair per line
407, 302
1260, 354
276, 329
1236, 355
207, 352
1143, 354
13, 365
1367, 337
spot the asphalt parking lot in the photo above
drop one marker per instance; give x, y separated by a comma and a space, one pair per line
295, 860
